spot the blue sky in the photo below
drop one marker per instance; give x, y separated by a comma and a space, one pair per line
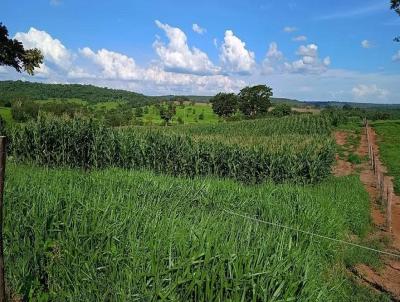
310, 50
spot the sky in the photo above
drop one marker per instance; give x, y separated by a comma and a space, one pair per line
309, 50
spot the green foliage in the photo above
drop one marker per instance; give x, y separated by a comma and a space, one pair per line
13, 53
24, 111
139, 112
14, 90
255, 100
224, 104
114, 235
166, 114
89, 144
281, 110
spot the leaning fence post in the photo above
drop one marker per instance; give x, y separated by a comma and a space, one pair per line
2, 173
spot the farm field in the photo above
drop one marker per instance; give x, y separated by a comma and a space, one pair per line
122, 235
104, 206
199, 151
389, 147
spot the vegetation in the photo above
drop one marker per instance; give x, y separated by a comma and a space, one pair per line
18, 90
13, 53
114, 235
168, 113
224, 104
89, 144
281, 110
389, 146
255, 100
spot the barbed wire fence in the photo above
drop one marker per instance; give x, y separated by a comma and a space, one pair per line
384, 184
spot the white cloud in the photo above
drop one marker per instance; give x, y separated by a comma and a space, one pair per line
116, 66
309, 61
273, 51
53, 50
396, 56
300, 38
289, 29
273, 58
197, 29
369, 92
178, 57
366, 44
234, 55
113, 65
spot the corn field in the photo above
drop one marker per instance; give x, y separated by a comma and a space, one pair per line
293, 149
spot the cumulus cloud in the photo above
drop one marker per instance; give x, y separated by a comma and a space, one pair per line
366, 44
396, 56
234, 55
309, 62
53, 50
113, 65
289, 29
369, 92
117, 66
178, 57
198, 29
300, 38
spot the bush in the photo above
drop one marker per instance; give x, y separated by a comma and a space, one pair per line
281, 110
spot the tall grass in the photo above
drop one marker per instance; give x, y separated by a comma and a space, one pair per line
115, 235
389, 148
89, 144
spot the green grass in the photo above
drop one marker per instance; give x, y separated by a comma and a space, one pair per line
389, 148
114, 235
5, 113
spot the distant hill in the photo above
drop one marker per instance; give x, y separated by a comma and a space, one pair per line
12, 90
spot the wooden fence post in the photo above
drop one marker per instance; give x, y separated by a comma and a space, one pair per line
2, 173
389, 208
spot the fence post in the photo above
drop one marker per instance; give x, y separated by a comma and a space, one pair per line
2, 173
389, 208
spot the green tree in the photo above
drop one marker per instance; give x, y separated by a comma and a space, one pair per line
13, 53
168, 113
224, 104
255, 100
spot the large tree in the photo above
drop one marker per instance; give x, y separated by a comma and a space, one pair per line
224, 104
255, 100
395, 5
13, 53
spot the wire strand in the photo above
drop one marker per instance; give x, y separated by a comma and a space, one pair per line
311, 233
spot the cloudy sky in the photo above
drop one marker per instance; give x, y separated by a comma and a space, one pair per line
310, 50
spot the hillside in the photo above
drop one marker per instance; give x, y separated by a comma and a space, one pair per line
11, 90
